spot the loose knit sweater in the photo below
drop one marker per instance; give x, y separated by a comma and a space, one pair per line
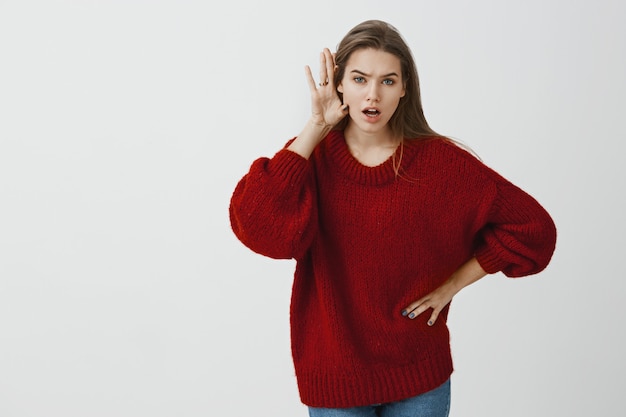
367, 243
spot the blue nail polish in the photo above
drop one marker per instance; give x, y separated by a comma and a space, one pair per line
430, 323
404, 313
411, 315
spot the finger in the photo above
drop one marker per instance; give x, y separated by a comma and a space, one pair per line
433, 317
416, 308
413, 306
323, 69
330, 66
309, 78
419, 310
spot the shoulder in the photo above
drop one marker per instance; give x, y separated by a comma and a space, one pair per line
444, 151
449, 149
451, 161
331, 145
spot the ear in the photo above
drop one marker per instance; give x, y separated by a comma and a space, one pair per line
340, 87
403, 90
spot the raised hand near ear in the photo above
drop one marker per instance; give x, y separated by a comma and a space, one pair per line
326, 107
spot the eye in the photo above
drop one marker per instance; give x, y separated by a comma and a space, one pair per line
359, 80
388, 82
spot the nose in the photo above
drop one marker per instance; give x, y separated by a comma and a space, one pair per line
373, 93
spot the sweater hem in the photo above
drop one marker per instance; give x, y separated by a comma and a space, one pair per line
377, 386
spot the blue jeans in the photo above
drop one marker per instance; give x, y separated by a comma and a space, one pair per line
435, 403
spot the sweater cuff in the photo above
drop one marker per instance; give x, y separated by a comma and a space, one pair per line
290, 166
489, 260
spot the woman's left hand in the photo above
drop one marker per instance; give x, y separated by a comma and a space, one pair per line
436, 301
469, 272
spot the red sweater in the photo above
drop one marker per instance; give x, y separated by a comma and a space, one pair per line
368, 243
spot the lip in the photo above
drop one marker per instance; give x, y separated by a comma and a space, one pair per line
371, 114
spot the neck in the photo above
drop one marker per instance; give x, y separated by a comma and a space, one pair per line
363, 140
370, 149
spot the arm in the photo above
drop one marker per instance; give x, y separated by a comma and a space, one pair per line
518, 238
273, 207
467, 274
326, 108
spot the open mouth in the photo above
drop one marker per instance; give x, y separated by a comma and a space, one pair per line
371, 112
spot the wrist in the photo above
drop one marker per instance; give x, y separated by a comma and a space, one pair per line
467, 274
452, 286
317, 128
310, 136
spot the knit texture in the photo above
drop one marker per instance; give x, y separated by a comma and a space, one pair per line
368, 243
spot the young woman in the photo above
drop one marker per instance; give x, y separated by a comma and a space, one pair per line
387, 221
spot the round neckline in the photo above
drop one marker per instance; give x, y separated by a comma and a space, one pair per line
342, 161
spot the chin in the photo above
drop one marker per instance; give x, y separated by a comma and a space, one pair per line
372, 127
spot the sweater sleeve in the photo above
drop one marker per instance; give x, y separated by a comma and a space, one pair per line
273, 207
519, 236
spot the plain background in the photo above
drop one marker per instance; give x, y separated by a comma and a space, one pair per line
125, 125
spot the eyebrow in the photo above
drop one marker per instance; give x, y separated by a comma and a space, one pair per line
391, 74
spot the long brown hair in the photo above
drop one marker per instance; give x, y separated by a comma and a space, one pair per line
408, 121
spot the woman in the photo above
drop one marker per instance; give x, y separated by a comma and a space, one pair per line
387, 221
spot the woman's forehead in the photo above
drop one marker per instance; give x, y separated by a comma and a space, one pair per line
374, 62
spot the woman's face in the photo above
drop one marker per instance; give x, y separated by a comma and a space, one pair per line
372, 86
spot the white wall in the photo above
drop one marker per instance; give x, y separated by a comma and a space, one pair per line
125, 125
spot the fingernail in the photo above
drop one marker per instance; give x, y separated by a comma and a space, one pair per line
430, 322
411, 315
344, 108
404, 313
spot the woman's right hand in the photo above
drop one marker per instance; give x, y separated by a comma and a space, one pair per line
326, 107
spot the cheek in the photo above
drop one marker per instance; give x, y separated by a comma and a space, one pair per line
348, 95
